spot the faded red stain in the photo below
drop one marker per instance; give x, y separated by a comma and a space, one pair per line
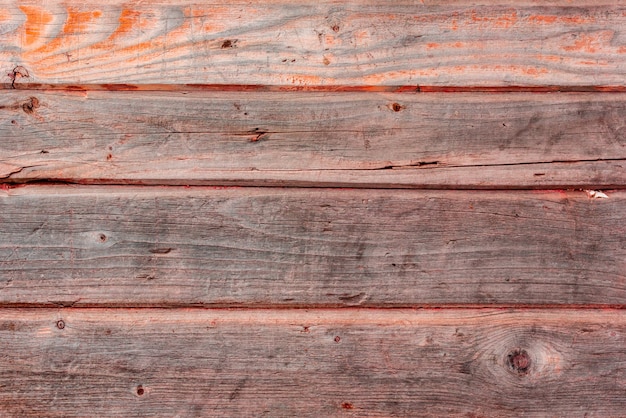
36, 20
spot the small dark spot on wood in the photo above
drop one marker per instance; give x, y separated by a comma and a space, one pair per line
109, 157
519, 361
337, 338
245, 113
140, 390
326, 61
504, 124
43, 151
539, 174
146, 276
335, 28
107, 332
8, 326
102, 237
394, 264
14, 122
351, 298
396, 107
160, 250
466, 368
60, 324
347, 405
305, 329
227, 44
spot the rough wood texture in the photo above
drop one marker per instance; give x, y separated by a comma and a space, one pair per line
196, 363
321, 42
472, 140
140, 246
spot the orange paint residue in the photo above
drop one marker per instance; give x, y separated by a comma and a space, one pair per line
590, 42
542, 19
547, 19
211, 20
306, 80
503, 21
622, 49
36, 20
432, 45
552, 58
534, 71
76, 23
128, 19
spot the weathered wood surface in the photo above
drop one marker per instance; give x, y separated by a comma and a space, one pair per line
196, 363
321, 42
160, 246
470, 140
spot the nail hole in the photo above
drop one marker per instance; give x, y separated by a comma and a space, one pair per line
335, 28
102, 237
396, 107
140, 390
347, 405
60, 324
337, 338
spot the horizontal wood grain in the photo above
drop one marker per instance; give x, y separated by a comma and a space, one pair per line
192, 363
312, 43
175, 246
430, 140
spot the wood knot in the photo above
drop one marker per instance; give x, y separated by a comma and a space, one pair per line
30, 106
519, 361
18, 72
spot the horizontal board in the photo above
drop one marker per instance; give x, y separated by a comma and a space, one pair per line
193, 363
313, 43
431, 140
176, 246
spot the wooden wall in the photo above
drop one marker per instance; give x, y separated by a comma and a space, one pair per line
312, 208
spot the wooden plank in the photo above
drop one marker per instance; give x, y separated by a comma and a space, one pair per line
436, 140
313, 43
145, 363
176, 246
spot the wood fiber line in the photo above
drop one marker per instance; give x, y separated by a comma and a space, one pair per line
164, 246
438, 140
148, 363
313, 43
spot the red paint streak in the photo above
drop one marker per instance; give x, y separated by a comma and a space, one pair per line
325, 88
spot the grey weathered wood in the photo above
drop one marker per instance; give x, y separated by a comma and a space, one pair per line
160, 246
331, 139
321, 42
148, 363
